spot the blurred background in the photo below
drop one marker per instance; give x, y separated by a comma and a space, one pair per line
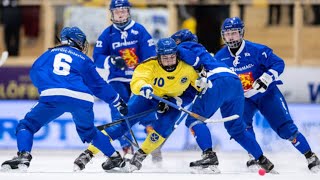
290, 27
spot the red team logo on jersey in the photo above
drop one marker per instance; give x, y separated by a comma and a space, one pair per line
246, 80
129, 55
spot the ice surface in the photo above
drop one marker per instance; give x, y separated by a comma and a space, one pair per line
58, 165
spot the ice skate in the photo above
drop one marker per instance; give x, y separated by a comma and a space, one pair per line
252, 164
267, 165
208, 164
20, 162
136, 161
314, 163
83, 159
113, 164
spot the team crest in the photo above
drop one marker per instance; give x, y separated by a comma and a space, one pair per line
154, 137
246, 80
130, 57
183, 80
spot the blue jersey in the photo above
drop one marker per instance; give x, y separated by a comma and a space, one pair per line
225, 94
250, 62
66, 74
196, 55
134, 44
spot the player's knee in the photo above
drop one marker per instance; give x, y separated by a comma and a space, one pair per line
235, 129
21, 126
164, 130
288, 131
198, 127
26, 125
250, 130
190, 122
249, 127
87, 135
116, 131
238, 136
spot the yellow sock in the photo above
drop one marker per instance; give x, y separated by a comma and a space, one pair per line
152, 142
93, 149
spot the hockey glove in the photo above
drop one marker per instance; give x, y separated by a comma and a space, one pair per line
262, 83
163, 107
118, 62
121, 107
146, 90
203, 84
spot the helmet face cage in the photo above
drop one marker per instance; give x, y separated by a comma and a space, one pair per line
167, 50
74, 37
233, 42
168, 62
232, 32
124, 21
184, 35
120, 8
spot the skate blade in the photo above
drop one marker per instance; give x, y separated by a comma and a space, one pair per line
273, 172
213, 169
76, 168
117, 170
22, 167
7, 168
129, 168
315, 169
253, 168
126, 169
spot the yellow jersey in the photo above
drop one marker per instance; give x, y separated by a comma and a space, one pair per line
163, 83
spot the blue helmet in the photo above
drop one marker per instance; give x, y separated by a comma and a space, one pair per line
74, 37
233, 24
166, 46
184, 35
120, 4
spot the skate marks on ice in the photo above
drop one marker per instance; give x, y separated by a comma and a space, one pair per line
47, 165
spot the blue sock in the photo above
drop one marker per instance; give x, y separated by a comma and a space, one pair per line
102, 142
249, 143
203, 136
301, 144
24, 140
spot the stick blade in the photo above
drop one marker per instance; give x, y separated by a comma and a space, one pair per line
229, 118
